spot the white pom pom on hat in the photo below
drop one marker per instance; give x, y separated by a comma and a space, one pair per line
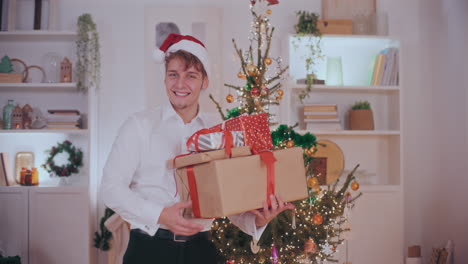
175, 42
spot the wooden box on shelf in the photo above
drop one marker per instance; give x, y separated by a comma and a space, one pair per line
335, 26
11, 78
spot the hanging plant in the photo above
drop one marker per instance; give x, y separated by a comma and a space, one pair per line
307, 26
88, 56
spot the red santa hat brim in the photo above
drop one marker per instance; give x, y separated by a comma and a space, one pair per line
190, 46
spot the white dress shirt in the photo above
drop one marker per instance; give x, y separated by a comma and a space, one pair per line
137, 183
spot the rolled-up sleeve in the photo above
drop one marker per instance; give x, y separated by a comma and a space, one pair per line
246, 223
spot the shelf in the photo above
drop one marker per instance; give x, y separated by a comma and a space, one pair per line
333, 88
46, 188
353, 132
45, 131
39, 86
372, 188
37, 35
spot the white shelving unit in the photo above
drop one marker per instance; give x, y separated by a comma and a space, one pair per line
379, 151
49, 206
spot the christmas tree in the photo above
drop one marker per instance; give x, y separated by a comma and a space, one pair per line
259, 91
312, 232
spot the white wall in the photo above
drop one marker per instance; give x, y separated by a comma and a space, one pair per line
436, 190
435, 157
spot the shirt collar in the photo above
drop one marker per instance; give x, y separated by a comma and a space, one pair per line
170, 113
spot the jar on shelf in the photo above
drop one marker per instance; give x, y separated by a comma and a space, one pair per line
35, 176
7, 114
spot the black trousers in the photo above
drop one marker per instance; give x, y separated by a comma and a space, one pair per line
145, 249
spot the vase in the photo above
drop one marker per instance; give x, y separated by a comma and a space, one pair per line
334, 71
51, 65
7, 114
65, 181
361, 119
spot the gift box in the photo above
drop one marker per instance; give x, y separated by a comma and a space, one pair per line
230, 186
214, 141
255, 128
198, 158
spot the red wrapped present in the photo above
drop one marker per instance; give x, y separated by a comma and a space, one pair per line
255, 127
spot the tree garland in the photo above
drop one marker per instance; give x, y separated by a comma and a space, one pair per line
75, 158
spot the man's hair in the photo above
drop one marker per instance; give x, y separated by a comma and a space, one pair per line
189, 59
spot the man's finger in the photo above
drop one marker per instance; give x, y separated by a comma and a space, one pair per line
280, 201
274, 203
256, 213
181, 205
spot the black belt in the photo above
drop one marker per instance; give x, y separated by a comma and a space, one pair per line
167, 234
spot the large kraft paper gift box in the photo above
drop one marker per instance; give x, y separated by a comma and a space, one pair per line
234, 185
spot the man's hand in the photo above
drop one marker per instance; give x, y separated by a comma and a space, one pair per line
265, 215
172, 218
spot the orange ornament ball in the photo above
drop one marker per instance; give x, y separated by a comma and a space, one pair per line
268, 11
318, 219
310, 246
241, 75
267, 61
251, 70
354, 186
312, 182
280, 92
230, 98
290, 144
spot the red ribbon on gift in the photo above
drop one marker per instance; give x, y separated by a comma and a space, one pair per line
193, 191
227, 135
269, 159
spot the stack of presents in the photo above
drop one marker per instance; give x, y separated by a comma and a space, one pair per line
232, 168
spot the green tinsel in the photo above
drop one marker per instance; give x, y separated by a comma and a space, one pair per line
284, 133
233, 113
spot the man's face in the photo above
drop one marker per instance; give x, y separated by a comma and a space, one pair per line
183, 86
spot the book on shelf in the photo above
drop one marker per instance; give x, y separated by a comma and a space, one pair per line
64, 111
63, 123
321, 108
323, 126
62, 127
385, 69
328, 120
320, 117
320, 113
6, 176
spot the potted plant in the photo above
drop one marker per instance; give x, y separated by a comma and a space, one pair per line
307, 26
361, 117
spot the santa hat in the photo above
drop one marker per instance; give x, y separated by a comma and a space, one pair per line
175, 42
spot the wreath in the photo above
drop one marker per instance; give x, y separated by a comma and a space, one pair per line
75, 159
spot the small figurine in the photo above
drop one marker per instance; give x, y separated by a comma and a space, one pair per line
17, 118
65, 71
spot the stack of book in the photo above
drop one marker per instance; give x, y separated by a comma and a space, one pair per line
322, 117
63, 119
385, 71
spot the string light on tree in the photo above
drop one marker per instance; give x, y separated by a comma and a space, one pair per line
285, 238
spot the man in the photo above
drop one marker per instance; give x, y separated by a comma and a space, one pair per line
139, 187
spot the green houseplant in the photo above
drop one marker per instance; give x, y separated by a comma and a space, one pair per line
361, 116
307, 30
